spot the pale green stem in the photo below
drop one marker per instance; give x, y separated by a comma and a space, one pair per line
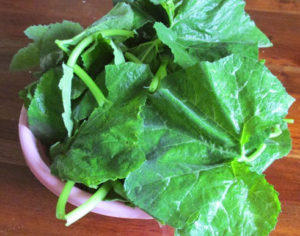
105, 33
90, 83
95, 90
277, 132
130, 57
155, 44
160, 74
289, 121
62, 200
257, 153
254, 155
79, 49
89, 205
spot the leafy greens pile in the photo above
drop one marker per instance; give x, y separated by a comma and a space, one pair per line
164, 105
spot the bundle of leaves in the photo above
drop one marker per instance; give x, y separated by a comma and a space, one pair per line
162, 104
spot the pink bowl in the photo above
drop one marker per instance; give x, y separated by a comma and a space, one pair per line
35, 159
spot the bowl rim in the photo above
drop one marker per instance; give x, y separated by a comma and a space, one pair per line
33, 156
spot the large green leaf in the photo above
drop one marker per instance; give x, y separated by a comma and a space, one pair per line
100, 54
245, 102
126, 80
106, 145
236, 203
160, 139
120, 89
202, 25
122, 16
222, 199
51, 55
26, 58
43, 51
198, 126
36, 32
44, 112
145, 10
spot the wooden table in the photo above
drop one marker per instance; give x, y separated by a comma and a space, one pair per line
28, 208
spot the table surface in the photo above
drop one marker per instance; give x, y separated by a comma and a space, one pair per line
28, 208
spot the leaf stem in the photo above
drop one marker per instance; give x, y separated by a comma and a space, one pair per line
153, 44
117, 32
97, 93
160, 74
86, 207
60, 44
62, 200
254, 155
289, 121
129, 56
257, 153
105, 33
170, 9
277, 132
90, 83
79, 49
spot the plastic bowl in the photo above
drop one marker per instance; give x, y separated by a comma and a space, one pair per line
36, 160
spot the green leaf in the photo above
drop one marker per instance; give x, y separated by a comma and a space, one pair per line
169, 38
97, 56
126, 80
187, 177
111, 153
65, 85
194, 33
27, 93
43, 51
277, 148
222, 199
36, 32
161, 139
145, 11
85, 105
100, 54
44, 112
249, 206
120, 17
29, 56
26, 58
51, 55
118, 54
148, 53
241, 92
78, 88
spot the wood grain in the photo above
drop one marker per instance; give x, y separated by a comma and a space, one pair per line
27, 208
